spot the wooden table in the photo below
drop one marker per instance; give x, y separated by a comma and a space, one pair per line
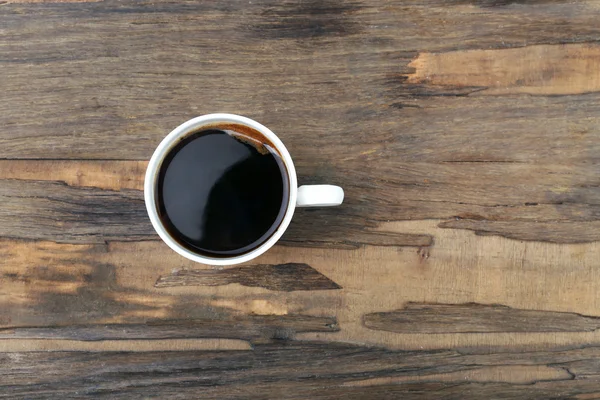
464, 263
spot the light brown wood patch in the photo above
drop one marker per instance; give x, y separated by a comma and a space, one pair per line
112, 175
540, 70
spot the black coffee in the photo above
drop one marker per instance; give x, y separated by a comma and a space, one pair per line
222, 191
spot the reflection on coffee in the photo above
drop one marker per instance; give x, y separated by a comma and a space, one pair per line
222, 191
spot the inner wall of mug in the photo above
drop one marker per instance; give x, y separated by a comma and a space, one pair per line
196, 125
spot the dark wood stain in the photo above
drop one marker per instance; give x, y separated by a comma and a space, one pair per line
283, 277
67, 293
476, 318
93, 293
97, 297
307, 19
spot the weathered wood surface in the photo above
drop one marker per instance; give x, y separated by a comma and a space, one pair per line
302, 370
463, 264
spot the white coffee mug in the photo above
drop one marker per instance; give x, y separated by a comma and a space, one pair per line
303, 196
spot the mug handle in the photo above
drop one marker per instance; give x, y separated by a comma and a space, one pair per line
319, 196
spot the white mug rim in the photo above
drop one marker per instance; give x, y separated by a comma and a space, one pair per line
163, 149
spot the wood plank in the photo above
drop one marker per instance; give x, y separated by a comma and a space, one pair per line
35, 190
326, 371
528, 201
262, 327
405, 146
104, 288
129, 345
359, 58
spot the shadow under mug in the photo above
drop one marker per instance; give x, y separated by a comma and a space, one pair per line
303, 196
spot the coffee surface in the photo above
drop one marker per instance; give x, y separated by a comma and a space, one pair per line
221, 193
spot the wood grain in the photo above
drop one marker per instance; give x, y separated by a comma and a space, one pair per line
476, 318
263, 328
354, 57
44, 284
56, 211
326, 371
30, 345
90, 202
111, 175
79, 289
286, 277
558, 206
560, 232
463, 263
544, 69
